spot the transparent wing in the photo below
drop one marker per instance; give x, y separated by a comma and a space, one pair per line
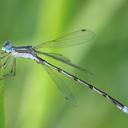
62, 86
71, 39
56, 56
62, 59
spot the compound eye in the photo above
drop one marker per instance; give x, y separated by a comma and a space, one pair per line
7, 43
7, 47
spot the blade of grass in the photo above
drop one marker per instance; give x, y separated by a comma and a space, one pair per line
2, 119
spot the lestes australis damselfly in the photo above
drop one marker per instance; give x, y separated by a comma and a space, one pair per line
78, 37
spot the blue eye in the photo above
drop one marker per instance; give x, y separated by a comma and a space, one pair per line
7, 43
7, 47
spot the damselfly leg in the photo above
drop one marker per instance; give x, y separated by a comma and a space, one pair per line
13, 69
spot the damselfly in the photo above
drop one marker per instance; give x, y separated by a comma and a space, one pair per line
78, 37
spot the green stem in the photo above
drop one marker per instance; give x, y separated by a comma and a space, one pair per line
2, 120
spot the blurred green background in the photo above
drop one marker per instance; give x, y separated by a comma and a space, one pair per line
30, 98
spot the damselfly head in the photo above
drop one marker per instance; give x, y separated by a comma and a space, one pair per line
7, 47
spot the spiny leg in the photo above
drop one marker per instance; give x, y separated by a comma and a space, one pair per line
5, 63
12, 72
3, 56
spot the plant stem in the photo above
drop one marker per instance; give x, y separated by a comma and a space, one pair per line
2, 120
